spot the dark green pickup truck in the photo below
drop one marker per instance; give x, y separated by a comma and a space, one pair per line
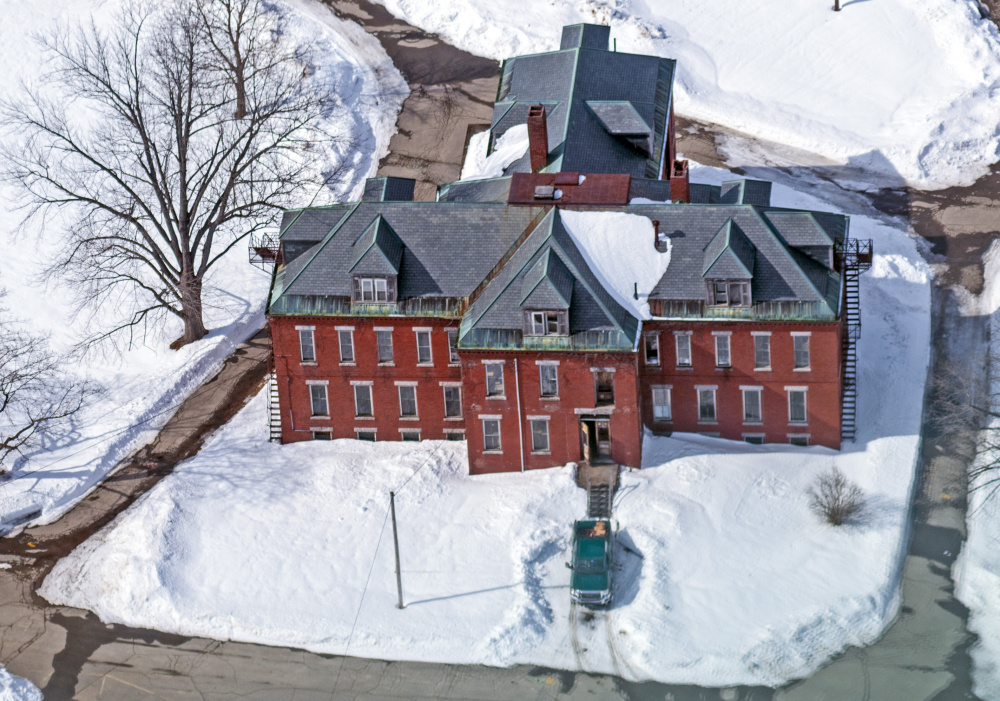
591, 579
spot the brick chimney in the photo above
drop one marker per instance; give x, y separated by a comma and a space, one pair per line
538, 137
679, 185
658, 243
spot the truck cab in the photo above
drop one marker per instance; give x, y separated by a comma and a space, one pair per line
590, 582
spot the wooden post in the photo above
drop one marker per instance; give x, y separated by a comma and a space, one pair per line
395, 542
836, 5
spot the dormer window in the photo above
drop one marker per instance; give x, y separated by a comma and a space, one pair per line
546, 323
729, 293
374, 289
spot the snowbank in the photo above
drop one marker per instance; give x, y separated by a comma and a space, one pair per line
977, 570
907, 87
16, 689
482, 557
143, 387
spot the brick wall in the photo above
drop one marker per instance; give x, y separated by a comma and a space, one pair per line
294, 376
575, 392
821, 380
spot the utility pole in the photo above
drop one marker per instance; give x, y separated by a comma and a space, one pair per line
395, 542
836, 5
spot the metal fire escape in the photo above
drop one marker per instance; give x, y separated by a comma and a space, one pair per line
265, 253
854, 258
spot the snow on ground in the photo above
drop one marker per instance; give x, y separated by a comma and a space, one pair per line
145, 385
204, 552
906, 87
16, 689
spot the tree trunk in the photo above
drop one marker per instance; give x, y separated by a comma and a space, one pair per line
194, 325
241, 91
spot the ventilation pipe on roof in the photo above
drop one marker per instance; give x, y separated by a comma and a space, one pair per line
658, 243
538, 137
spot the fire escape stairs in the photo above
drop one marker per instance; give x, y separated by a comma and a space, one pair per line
855, 258
273, 408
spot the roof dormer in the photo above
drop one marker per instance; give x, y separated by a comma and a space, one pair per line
728, 267
548, 284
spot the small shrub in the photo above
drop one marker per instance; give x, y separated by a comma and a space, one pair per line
835, 498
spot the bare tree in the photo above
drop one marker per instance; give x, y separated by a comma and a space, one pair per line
37, 395
835, 498
156, 146
966, 409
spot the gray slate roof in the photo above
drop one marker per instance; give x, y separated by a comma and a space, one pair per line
501, 304
378, 251
729, 255
600, 97
780, 273
447, 249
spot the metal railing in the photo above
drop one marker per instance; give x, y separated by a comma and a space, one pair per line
506, 339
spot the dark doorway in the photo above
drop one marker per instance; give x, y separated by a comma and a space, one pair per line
595, 440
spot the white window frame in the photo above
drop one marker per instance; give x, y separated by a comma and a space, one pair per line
532, 420
486, 370
686, 335
379, 330
400, 387
312, 399
373, 284
723, 338
430, 346
653, 337
761, 436
796, 335
364, 429
449, 432
484, 419
670, 402
349, 330
542, 368
409, 432
453, 358
544, 323
801, 436
371, 400
311, 331
756, 335
759, 390
804, 391
715, 403
326, 430
445, 386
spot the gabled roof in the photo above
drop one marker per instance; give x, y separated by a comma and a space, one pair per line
447, 249
745, 192
779, 272
378, 250
729, 255
548, 284
614, 105
799, 228
591, 308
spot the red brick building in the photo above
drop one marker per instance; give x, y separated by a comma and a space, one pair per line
485, 317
